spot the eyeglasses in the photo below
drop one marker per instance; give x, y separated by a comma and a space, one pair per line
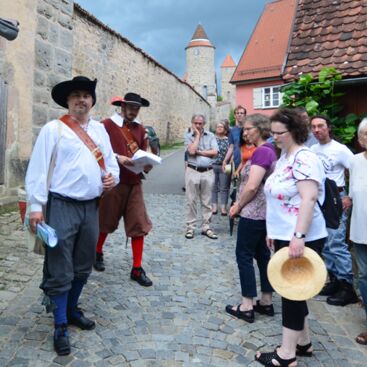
279, 133
240, 113
245, 129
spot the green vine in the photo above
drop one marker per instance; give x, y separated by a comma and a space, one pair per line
320, 98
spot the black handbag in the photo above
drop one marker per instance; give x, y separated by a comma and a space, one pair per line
9, 28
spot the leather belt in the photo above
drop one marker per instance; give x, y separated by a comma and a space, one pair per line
199, 169
340, 188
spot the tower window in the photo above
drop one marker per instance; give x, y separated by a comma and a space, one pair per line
205, 91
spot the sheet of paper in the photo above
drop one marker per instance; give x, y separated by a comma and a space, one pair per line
47, 234
142, 159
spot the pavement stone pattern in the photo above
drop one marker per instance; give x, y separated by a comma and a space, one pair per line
179, 321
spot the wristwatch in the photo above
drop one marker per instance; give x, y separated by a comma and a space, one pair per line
299, 235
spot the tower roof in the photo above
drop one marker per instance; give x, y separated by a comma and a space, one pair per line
199, 38
228, 62
199, 33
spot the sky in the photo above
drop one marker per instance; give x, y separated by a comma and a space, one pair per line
163, 28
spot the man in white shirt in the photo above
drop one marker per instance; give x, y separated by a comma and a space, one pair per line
336, 159
76, 175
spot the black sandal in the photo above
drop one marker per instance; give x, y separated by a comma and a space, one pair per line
264, 309
266, 359
301, 350
248, 316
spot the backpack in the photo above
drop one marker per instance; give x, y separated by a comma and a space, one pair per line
332, 208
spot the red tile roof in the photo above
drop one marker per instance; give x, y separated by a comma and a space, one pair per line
228, 62
199, 38
328, 33
265, 52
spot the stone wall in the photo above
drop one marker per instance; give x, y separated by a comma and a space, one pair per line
58, 40
120, 67
53, 57
16, 65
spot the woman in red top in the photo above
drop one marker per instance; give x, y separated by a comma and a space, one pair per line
247, 150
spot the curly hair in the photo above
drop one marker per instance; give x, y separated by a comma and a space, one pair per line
295, 124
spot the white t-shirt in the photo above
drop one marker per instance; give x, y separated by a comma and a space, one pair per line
335, 158
283, 199
358, 193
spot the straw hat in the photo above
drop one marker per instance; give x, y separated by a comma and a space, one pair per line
297, 279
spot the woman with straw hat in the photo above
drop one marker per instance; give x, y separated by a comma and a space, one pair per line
293, 220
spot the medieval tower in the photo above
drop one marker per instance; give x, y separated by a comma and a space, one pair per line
228, 90
201, 66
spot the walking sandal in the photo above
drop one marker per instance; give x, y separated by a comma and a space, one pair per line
362, 338
266, 359
301, 350
210, 234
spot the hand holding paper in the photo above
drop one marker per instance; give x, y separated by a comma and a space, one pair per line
142, 159
47, 234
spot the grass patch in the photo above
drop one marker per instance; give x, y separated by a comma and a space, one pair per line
172, 146
8, 208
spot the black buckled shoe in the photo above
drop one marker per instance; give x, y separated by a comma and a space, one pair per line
61, 340
264, 309
331, 287
345, 296
99, 264
81, 321
248, 316
138, 274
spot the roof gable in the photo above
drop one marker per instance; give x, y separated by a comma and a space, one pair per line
265, 53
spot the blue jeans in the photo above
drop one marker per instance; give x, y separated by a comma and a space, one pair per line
361, 258
338, 259
221, 186
251, 244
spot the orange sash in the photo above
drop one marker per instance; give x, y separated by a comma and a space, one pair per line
85, 138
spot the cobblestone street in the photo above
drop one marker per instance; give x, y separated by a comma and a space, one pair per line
180, 321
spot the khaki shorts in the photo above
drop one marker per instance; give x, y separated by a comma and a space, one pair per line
125, 201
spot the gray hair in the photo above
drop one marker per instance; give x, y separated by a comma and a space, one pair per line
261, 122
362, 126
195, 115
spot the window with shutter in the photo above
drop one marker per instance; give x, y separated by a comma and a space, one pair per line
257, 98
267, 97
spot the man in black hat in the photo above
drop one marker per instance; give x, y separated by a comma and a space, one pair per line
74, 155
126, 200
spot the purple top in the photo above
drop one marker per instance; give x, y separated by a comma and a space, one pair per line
264, 156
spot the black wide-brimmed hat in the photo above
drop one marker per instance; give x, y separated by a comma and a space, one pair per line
135, 99
61, 91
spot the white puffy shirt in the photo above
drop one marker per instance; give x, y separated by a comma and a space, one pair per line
335, 158
76, 173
